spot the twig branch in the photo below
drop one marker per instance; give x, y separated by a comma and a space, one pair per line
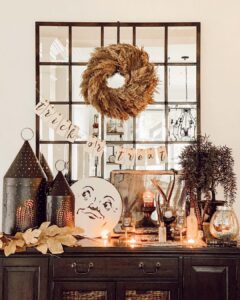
157, 185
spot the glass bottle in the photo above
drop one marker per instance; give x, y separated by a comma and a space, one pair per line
192, 224
180, 221
162, 233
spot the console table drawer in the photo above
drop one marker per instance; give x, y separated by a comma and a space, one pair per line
95, 267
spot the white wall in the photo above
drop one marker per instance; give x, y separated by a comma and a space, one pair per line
220, 70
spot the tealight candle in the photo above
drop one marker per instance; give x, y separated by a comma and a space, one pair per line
105, 234
132, 242
148, 199
191, 241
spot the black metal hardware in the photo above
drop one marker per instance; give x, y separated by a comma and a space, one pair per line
142, 267
78, 268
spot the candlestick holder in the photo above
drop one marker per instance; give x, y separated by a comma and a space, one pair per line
146, 220
168, 221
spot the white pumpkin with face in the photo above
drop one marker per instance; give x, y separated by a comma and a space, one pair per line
98, 205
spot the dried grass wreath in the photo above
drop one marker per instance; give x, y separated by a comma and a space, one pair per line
140, 81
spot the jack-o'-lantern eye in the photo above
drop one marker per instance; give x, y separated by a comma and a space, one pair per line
86, 195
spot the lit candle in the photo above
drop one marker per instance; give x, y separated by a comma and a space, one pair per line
132, 242
191, 241
148, 199
105, 234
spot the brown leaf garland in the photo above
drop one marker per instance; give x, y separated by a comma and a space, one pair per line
140, 81
45, 238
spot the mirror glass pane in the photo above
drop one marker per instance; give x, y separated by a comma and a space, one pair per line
152, 39
83, 164
126, 35
54, 83
150, 124
110, 35
88, 120
50, 134
159, 94
182, 44
182, 123
109, 156
54, 44
117, 130
182, 83
77, 72
174, 150
84, 41
53, 153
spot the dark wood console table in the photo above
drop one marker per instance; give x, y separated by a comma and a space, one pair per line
146, 273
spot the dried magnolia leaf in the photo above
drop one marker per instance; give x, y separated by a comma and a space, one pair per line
31, 236
45, 238
77, 231
53, 230
71, 230
55, 247
44, 226
19, 235
10, 248
67, 240
66, 230
20, 243
43, 248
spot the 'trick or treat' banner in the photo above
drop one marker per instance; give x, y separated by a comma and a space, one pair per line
95, 146
128, 156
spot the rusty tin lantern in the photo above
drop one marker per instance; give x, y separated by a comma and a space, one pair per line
60, 201
24, 191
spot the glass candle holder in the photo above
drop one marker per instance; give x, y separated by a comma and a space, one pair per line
148, 199
224, 224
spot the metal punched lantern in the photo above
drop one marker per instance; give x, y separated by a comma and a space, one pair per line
24, 192
60, 202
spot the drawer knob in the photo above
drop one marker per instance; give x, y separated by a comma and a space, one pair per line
142, 267
78, 268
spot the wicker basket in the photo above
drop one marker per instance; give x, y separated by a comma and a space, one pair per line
149, 295
77, 295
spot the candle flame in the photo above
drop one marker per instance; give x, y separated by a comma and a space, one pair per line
132, 242
105, 234
191, 241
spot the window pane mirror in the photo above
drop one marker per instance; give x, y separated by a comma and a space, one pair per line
173, 121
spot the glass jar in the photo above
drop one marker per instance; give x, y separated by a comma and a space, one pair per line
224, 224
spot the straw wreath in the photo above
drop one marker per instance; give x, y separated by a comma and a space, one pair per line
140, 81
